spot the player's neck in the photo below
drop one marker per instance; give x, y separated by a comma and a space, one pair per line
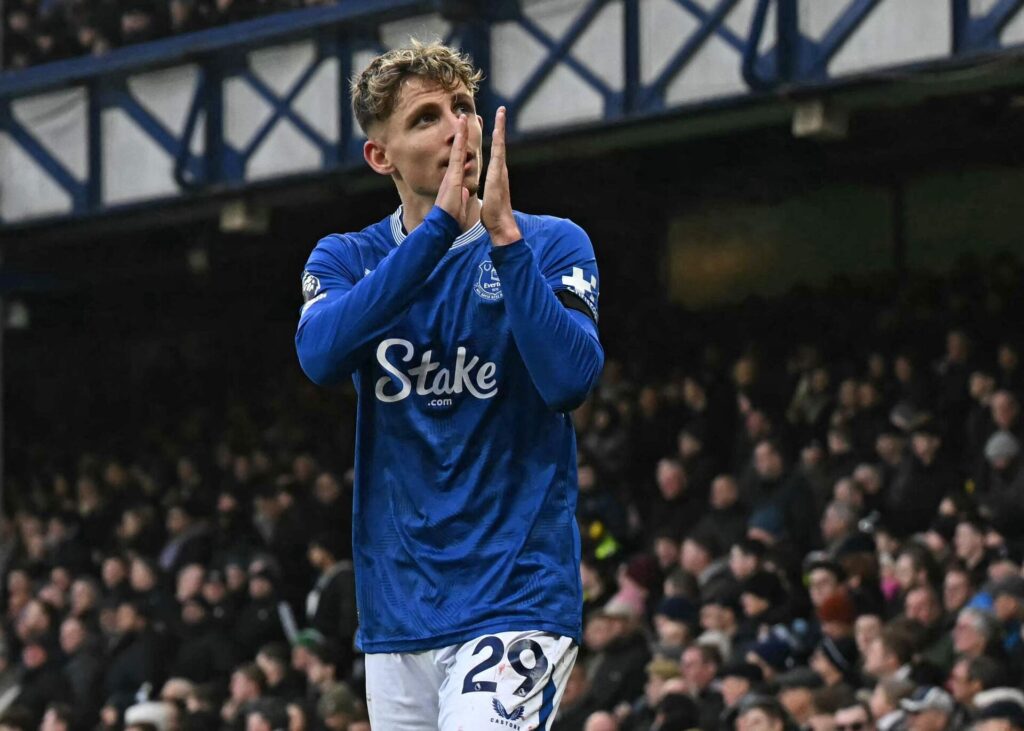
415, 209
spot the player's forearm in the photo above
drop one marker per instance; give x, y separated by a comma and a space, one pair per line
333, 335
559, 346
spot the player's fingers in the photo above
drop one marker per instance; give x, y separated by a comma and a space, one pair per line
457, 159
498, 138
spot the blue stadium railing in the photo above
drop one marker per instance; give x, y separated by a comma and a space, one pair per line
772, 53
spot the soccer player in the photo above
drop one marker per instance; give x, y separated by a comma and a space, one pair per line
470, 331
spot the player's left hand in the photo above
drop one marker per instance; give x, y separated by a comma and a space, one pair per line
496, 211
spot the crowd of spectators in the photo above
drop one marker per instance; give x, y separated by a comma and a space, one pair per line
831, 540
38, 31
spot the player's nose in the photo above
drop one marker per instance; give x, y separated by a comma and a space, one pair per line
451, 121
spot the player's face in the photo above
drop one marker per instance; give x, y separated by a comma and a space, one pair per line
416, 140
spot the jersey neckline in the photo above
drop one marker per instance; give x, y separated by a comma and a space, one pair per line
466, 237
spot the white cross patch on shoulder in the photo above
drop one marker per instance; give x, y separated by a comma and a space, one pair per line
578, 283
582, 287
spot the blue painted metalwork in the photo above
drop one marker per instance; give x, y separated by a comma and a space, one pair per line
559, 52
339, 32
653, 96
982, 33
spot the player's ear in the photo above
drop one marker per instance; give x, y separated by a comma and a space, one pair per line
376, 157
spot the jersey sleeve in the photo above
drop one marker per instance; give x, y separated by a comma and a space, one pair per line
558, 344
344, 314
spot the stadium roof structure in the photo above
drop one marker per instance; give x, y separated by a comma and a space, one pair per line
212, 115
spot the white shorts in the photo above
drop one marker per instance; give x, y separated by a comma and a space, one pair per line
508, 680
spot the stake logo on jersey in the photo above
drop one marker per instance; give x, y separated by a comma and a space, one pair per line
430, 378
488, 286
583, 287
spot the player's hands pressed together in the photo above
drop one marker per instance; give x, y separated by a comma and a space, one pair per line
496, 212
453, 195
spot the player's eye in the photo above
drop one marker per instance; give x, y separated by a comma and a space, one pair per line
426, 118
464, 107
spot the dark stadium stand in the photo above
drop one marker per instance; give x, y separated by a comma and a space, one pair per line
802, 511
813, 520
40, 31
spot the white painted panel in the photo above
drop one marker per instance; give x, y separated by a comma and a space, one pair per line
981, 7
1013, 33
245, 111
897, 32
515, 56
26, 191
425, 28
59, 121
601, 48
818, 16
554, 16
317, 104
167, 94
284, 151
279, 67
715, 71
563, 99
664, 29
135, 167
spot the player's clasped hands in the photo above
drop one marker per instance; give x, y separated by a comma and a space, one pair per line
453, 195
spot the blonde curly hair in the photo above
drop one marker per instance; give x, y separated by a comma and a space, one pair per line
375, 91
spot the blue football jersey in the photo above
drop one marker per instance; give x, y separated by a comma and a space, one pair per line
466, 359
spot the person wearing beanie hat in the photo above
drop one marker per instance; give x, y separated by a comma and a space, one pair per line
772, 655
929, 708
835, 660
674, 622
738, 679
643, 571
764, 604
767, 525
1001, 449
1003, 715
837, 615
1001, 483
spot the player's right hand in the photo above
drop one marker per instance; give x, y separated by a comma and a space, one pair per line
453, 195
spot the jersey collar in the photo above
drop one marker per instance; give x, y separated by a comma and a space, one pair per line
466, 237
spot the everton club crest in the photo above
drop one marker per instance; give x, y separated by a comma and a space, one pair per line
488, 286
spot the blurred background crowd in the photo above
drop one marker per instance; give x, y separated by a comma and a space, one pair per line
777, 534
38, 31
